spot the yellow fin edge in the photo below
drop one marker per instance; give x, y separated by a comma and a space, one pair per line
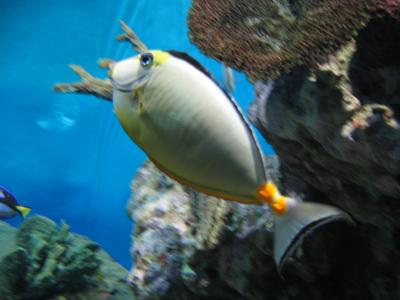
23, 210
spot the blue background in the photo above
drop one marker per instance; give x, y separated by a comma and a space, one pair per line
65, 155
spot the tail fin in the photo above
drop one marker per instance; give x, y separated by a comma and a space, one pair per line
297, 222
24, 211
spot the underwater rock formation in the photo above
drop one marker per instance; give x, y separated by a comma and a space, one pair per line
334, 126
41, 261
336, 130
191, 246
176, 235
332, 118
268, 38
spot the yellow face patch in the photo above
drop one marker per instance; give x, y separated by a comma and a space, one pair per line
159, 57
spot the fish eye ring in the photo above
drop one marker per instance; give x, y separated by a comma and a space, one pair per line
146, 60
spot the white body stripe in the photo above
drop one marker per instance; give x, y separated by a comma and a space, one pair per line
192, 130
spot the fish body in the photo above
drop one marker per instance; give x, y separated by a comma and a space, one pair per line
9, 206
194, 132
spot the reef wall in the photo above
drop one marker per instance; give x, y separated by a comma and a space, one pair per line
331, 115
191, 246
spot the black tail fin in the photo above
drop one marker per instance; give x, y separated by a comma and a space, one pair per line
299, 221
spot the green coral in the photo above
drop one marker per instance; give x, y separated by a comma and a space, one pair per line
47, 262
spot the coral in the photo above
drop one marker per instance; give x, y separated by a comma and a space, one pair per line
50, 262
268, 38
7, 242
100, 88
391, 7
161, 233
173, 224
190, 246
47, 262
90, 85
336, 131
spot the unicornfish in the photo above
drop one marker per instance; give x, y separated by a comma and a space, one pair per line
9, 206
193, 131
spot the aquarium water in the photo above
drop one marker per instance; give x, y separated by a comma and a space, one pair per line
66, 156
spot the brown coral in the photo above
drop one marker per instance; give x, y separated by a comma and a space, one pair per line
392, 7
265, 38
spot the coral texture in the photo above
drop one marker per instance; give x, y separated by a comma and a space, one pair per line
190, 246
50, 263
336, 130
392, 7
268, 38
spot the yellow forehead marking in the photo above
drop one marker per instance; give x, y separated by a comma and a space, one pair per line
160, 57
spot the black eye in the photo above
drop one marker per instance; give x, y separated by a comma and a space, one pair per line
146, 59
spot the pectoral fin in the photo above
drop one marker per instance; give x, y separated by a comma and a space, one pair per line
299, 221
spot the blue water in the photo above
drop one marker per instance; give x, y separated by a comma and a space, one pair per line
65, 155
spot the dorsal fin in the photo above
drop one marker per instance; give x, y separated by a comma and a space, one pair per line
190, 60
186, 57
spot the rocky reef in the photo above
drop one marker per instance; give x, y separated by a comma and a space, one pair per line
191, 246
179, 236
333, 122
42, 261
334, 126
331, 115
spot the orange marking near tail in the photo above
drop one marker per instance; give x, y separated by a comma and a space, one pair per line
279, 205
269, 194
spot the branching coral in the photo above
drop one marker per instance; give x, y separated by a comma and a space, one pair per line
268, 38
91, 85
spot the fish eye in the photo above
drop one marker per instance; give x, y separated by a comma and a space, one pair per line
146, 60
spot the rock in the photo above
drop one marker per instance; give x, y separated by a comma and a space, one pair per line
46, 262
177, 239
333, 122
191, 246
336, 132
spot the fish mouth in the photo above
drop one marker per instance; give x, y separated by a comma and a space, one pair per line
130, 85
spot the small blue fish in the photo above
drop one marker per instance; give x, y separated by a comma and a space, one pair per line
9, 206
